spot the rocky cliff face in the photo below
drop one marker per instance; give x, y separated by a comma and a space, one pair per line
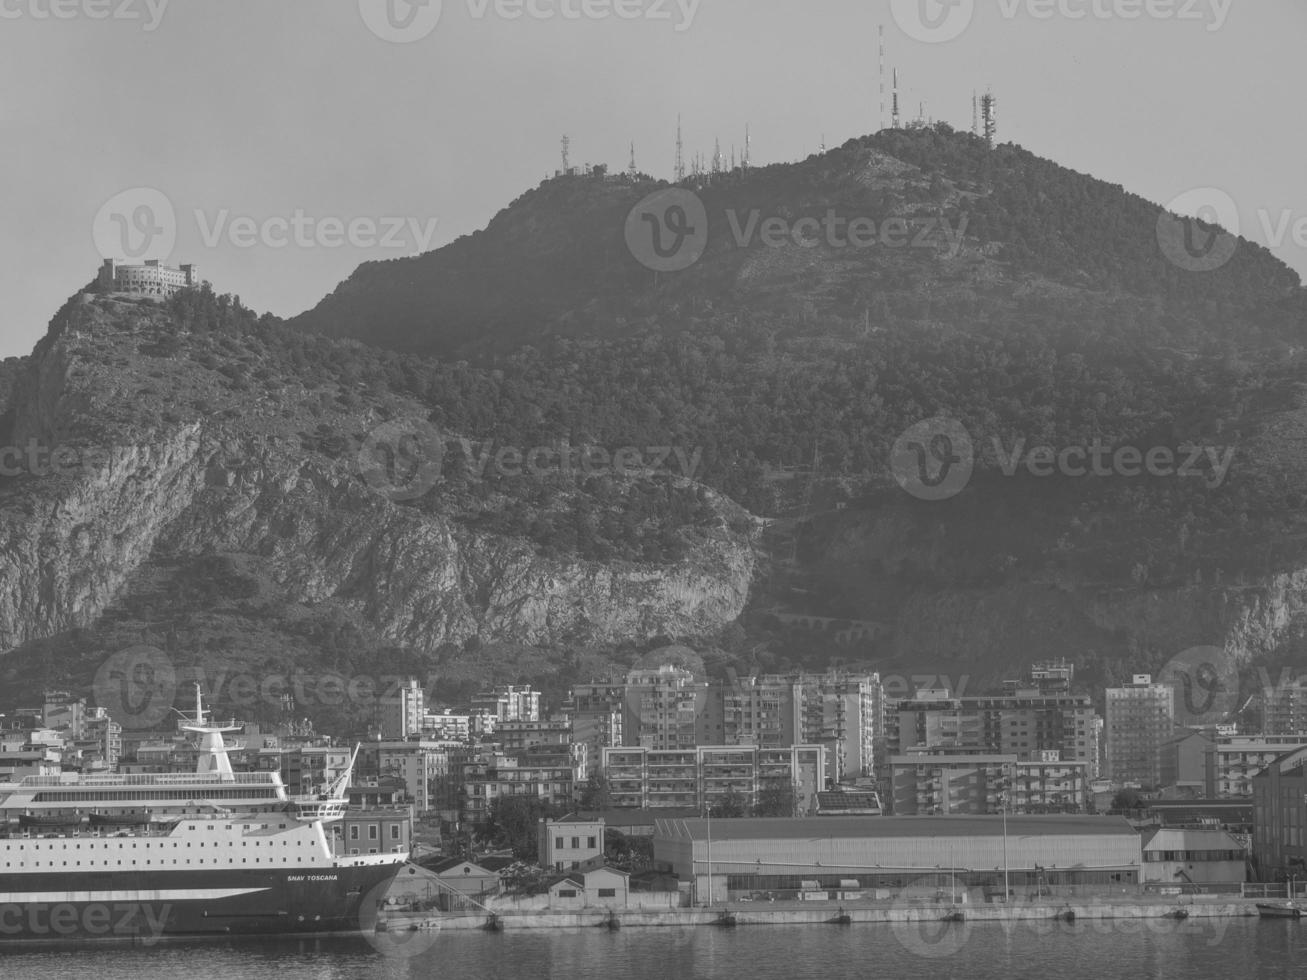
160, 454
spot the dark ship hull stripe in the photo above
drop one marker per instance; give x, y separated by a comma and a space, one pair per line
145, 907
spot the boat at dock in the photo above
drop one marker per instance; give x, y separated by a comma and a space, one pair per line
1279, 910
152, 856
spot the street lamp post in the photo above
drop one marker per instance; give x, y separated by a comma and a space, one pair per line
1007, 887
708, 817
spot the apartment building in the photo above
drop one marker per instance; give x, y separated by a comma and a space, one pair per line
1140, 719
509, 703
1025, 723
485, 781
930, 783
1280, 817
401, 711
706, 776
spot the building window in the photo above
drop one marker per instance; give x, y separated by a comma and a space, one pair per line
558, 843
576, 843
590, 843
607, 892
354, 833
567, 893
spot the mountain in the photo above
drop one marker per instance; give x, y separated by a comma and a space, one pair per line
1035, 306
348, 490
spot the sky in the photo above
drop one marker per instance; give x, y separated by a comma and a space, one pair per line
278, 144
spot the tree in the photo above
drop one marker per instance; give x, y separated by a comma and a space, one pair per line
776, 799
731, 806
594, 795
513, 822
1127, 799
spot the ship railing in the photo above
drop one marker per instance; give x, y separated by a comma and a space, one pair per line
156, 779
311, 810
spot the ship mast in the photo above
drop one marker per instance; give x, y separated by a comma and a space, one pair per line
213, 759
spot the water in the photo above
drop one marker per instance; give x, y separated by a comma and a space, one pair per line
1198, 949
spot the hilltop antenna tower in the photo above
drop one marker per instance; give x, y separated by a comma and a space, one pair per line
748, 146
633, 169
881, 123
680, 151
895, 116
975, 113
567, 147
989, 112
717, 157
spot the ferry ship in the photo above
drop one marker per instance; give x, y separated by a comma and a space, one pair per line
147, 857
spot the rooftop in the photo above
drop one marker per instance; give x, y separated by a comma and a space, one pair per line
817, 828
1172, 839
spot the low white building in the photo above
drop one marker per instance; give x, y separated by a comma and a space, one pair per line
1183, 858
568, 843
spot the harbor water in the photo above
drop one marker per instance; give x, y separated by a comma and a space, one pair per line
1193, 949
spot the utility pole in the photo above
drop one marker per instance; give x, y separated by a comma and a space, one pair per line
680, 151
881, 121
1007, 886
708, 816
895, 115
989, 113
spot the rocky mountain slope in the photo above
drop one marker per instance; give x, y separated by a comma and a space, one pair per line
160, 448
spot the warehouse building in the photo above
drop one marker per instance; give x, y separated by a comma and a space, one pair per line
860, 857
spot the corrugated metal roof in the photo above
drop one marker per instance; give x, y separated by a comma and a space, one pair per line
784, 828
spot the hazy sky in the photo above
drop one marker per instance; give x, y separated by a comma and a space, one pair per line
262, 109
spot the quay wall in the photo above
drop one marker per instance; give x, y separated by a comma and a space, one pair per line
1193, 907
